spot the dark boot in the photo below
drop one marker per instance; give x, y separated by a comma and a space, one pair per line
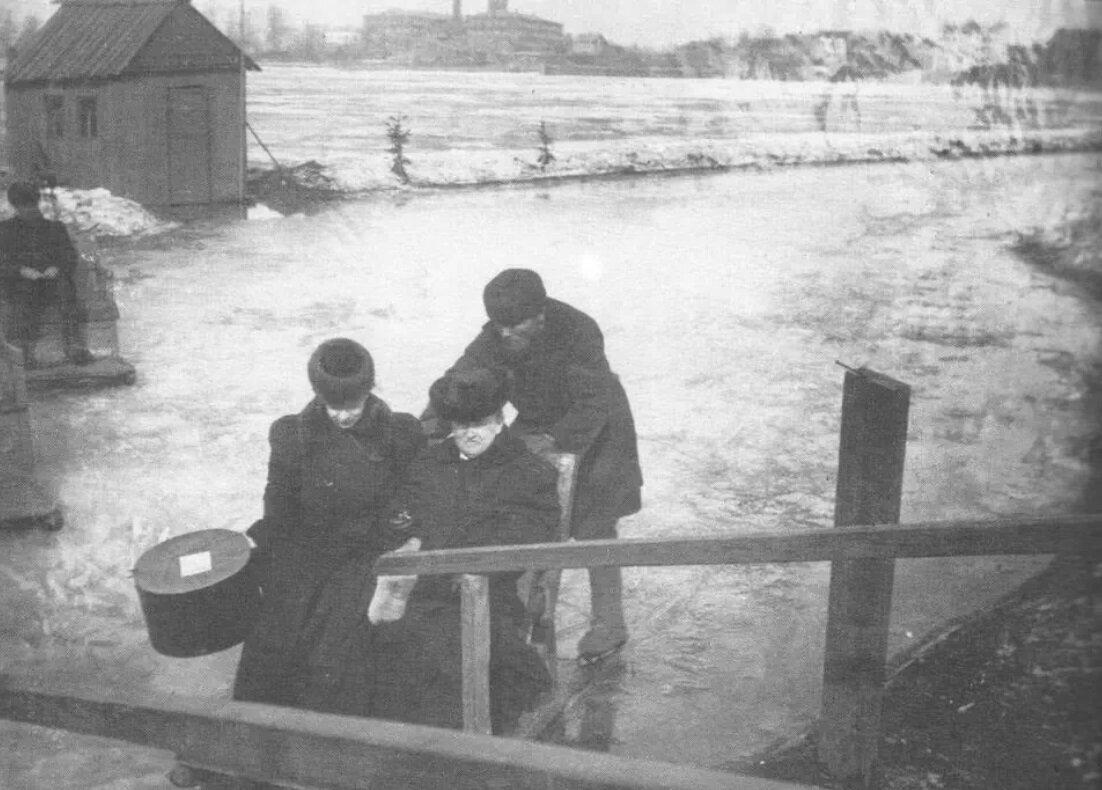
607, 630
80, 356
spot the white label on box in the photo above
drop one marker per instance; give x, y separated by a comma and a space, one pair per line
192, 564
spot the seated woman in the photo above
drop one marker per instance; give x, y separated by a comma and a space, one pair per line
37, 266
479, 487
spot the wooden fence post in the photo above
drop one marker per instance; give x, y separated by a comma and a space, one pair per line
475, 620
22, 499
870, 482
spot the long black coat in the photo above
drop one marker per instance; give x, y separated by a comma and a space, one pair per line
37, 244
507, 495
324, 525
565, 387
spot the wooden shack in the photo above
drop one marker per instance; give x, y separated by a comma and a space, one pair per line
145, 98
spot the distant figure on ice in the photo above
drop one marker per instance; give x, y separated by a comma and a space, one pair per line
481, 487
332, 472
567, 399
37, 264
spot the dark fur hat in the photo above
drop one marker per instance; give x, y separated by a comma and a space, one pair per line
20, 193
468, 395
513, 296
341, 372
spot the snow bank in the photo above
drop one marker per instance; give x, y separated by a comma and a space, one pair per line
655, 154
96, 212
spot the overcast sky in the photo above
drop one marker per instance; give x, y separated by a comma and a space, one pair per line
660, 22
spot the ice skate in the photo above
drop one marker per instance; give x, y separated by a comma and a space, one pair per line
600, 643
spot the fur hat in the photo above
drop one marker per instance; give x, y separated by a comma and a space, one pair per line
513, 296
21, 193
467, 395
341, 372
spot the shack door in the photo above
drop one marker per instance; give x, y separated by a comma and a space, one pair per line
189, 145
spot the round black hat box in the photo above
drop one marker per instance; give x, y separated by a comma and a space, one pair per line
198, 592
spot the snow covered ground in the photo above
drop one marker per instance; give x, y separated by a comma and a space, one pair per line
482, 127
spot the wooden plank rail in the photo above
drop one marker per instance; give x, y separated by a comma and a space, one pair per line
1053, 535
302, 749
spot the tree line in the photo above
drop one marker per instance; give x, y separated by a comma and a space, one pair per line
1069, 57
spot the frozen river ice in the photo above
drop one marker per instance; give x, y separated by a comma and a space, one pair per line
725, 300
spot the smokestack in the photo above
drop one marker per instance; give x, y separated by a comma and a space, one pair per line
457, 10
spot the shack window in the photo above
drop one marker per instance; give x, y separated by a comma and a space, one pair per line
89, 118
55, 116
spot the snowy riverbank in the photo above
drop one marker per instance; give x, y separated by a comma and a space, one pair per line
647, 155
97, 213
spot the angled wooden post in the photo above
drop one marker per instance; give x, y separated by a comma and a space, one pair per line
476, 653
870, 482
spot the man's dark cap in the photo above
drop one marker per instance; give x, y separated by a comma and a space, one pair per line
342, 372
467, 395
20, 193
513, 296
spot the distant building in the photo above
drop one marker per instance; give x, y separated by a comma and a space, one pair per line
497, 30
395, 31
588, 44
520, 32
143, 97
335, 39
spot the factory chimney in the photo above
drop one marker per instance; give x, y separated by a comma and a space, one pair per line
457, 10
498, 7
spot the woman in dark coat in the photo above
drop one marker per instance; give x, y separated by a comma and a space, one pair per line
332, 472
480, 487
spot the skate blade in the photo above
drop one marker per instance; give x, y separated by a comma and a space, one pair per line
596, 659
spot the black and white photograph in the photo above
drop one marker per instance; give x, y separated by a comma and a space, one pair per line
550, 394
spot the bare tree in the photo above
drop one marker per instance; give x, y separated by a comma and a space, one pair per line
278, 29
29, 28
7, 31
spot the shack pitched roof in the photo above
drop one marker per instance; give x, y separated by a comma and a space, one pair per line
96, 39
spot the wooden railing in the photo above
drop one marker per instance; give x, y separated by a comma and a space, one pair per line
1072, 535
1059, 535
302, 749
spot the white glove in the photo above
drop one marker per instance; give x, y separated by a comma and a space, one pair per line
388, 604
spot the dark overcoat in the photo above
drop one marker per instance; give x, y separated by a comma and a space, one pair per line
324, 525
507, 495
565, 387
37, 244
